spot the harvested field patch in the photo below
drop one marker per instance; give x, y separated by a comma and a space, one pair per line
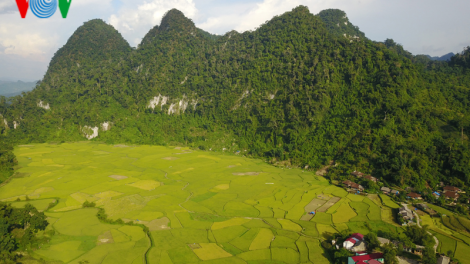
246, 173
328, 204
105, 238
170, 158
118, 177
314, 205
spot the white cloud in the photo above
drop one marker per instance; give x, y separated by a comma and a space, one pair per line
134, 20
7, 7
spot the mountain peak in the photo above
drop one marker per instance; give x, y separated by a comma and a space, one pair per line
175, 19
337, 23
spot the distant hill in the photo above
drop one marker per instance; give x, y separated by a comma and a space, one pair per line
446, 57
9, 89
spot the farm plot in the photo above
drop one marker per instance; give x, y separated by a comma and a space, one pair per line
200, 207
328, 204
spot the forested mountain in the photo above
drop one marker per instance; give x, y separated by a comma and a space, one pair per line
296, 91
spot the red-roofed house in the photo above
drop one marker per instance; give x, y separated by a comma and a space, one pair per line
371, 178
352, 241
414, 196
379, 257
451, 189
451, 195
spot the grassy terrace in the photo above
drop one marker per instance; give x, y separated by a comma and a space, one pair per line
200, 207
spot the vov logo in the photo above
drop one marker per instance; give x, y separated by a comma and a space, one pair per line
43, 8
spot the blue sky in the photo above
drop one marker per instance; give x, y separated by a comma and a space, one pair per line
433, 27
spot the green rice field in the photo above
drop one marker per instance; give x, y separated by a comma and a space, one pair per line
200, 207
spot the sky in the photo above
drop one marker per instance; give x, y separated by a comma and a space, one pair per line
433, 27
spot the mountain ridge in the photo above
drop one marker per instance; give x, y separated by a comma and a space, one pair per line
293, 92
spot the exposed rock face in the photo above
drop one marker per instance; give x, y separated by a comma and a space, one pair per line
44, 105
16, 124
106, 126
90, 132
178, 107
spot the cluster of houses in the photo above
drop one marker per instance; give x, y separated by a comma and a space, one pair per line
355, 243
450, 193
357, 187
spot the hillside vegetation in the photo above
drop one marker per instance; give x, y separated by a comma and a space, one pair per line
296, 91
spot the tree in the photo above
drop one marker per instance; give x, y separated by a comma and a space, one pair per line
372, 241
390, 253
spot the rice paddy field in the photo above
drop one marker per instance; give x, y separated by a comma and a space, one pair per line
200, 207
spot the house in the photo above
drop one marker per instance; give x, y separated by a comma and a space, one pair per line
352, 241
385, 190
395, 192
379, 257
436, 194
357, 187
413, 195
357, 174
443, 260
361, 246
405, 213
347, 183
451, 189
383, 241
451, 196
371, 178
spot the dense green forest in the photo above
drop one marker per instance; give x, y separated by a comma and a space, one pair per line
300, 90
18, 229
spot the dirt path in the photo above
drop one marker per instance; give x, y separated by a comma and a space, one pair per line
419, 225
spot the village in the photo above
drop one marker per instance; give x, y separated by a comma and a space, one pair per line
412, 202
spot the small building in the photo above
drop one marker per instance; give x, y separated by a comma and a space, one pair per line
443, 260
357, 187
383, 241
451, 196
371, 178
379, 257
352, 241
413, 195
406, 213
347, 183
385, 190
451, 189
357, 174
436, 194
395, 192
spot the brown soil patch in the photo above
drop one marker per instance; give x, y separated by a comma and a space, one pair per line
178, 148
314, 205
323, 197
105, 238
306, 217
194, 246
170, 158
118, 177
329, 204
246, 173
232, 166
121, 146
25, 146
